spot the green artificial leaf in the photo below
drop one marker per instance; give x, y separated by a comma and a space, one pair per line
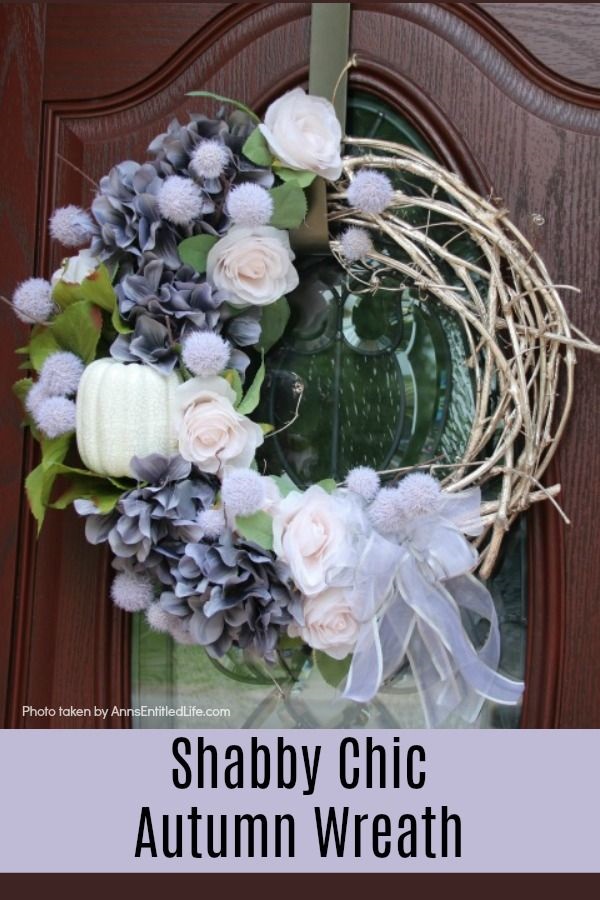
123, 485
273, 321
101, 493
96, 288
221, 99
38, 487
257, 528
193, 251
252, 395
21, 388
232, 312
256, 149
41, 345
82, 484
232, 376
328, 484
78, 329
303, 179
289, 205
117, 322
285, 484
86, 485
54, 450
332, 670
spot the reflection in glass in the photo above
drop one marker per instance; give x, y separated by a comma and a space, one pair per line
378, 372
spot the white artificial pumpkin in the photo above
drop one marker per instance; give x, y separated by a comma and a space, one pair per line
123, 411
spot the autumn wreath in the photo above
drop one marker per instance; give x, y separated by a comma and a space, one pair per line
148, 351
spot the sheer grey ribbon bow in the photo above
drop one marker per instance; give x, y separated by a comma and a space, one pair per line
425, 579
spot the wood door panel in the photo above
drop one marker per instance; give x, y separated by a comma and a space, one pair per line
499, 120
22, 30
562, 36
128, 47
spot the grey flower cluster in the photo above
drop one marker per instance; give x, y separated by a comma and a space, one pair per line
174, 149
129, 230
151, 525
232, 593
157, 295
222, 591
163, 305
157, 291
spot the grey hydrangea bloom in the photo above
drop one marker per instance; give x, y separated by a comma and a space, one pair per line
232, 593
129, 226
243, 330
129, 230
158, 292
151, 343
173, 150
155, 345
153, 523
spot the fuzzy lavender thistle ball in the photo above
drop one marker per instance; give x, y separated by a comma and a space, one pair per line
363, 481
250, 205
180, 631
180, 200
205, 353
370, 192
32, 301
209, 159
384, 513
212, 523
71, 226
132, 592
243, 492
419, 494
55, 416
159, 619
61, 374
356, 243
35, 396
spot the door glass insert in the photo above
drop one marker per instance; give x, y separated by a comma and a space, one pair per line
384, 384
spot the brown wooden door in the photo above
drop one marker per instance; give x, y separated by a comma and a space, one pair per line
93, 83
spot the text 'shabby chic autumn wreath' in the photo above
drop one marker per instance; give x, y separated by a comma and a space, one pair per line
142, 345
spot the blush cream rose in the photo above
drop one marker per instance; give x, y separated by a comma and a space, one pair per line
210, 432
252, 266
312, 533
303, 133
330, 624
321, 537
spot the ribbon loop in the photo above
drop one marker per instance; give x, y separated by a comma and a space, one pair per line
427, 586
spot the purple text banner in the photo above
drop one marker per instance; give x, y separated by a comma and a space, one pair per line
299, 801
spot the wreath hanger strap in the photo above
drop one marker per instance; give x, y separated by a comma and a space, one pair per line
329, 51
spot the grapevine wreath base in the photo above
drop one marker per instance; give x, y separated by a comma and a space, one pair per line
148, 351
